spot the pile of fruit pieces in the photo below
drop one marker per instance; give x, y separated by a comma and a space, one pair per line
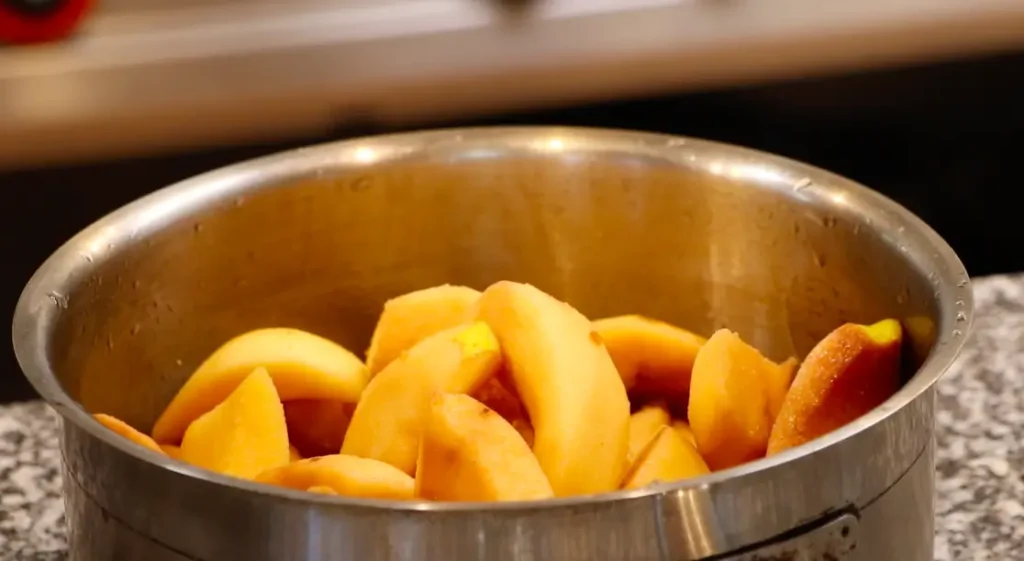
509, 394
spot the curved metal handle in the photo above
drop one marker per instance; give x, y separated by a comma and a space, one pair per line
834, 540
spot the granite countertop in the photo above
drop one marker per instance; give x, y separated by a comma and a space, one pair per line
980, 508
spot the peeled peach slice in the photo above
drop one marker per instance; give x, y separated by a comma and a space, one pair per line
322, 489
684, 430
470, 453
568, 383
244, 435
125, 430
668, 457
316, 427
302, 365
389, 418
343, 475
730, 401
652, 357
848, 373
410, 318
293, 454
643, 425
779, 380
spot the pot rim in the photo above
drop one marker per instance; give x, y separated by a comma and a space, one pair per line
38, 307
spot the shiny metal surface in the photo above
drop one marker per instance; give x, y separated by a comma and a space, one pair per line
693, 232
152, 75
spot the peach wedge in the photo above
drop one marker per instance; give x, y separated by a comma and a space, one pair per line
568, 383
388, 420
470, 453
410, 318
244, 435
302, 366
848, 373
338, 474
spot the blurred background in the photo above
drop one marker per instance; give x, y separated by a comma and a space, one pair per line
919, 99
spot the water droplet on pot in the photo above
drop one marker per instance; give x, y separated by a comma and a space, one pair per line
957, 333
59, 300
961, 316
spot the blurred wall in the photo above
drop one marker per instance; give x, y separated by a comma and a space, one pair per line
942, 140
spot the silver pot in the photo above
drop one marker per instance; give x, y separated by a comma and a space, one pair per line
698, 233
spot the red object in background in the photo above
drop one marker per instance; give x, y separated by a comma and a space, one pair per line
36, 21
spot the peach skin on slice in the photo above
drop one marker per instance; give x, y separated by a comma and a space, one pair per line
388, 420
848, 373
651, 356
125, 430
343, 475
568, 383
316, 427
730, 401
668, 457
302, 365
643, 425
497, 395
410, 318
244, 435
470, 453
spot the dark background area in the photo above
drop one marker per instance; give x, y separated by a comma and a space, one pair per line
944, 140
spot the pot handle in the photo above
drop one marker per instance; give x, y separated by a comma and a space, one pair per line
833, 540
833, 537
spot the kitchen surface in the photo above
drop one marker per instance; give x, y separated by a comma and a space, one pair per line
919, 100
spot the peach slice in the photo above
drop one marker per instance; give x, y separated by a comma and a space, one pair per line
302, 365
684, 430
388, 420
343, 475
730, 409
410, 318
127, 431
316, 427
848, 373
470, 453
779, 380
244, 435
652, 357
568, 383
668, 457
293, 454
643, 425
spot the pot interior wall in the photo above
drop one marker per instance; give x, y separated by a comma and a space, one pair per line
700, 242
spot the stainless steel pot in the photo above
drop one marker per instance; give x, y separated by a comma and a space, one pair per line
702, 234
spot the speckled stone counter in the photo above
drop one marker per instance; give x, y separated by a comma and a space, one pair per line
980, 510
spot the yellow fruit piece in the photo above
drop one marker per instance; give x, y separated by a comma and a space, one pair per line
848, 373
389, 418
343, 475
125, 430
653, 357
410, 318
316, 427
323, 490
174, 452
643, 425
669, 457
470, 453
684, 430
730, 408
568, 383
302, 365
293, 454
244, 435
